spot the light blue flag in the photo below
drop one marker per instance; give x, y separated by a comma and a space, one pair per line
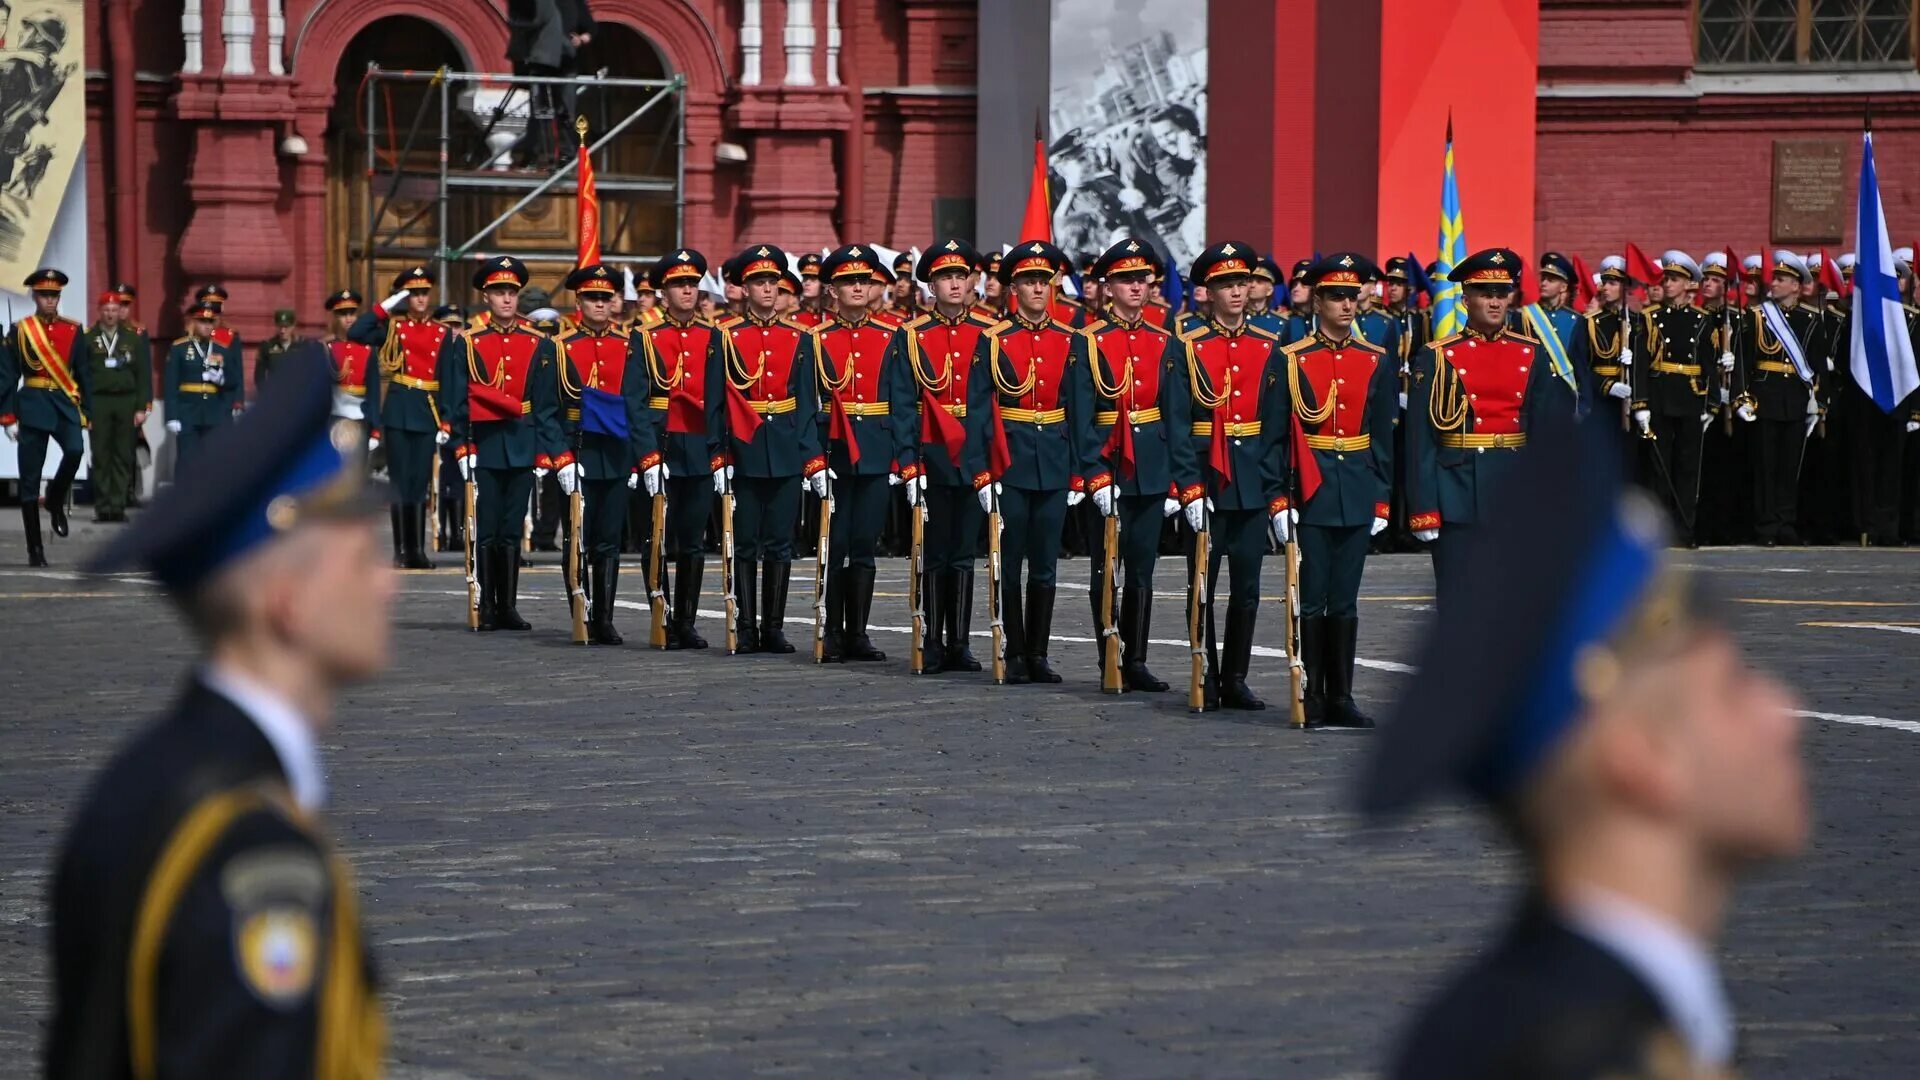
1882, 352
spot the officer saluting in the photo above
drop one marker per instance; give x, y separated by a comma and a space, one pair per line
499, 391
410, 344
686, 373
1638, 764
46, 388
868, 395
603, 390
203, 923
1218, 404
1477, 397
1134, 362
1344, 391
773, 407
940, 347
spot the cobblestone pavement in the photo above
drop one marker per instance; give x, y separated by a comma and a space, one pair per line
592, 862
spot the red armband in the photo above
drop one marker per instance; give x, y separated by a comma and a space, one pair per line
1098, 482
813, 465
1418, 522
910, 472
542, 461
649, 461
1277, 505
1381, 510
718, 462
1078, 483
564, 460
981, 480
1192, 492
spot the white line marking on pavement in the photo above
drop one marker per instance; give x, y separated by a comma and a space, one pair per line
1863, 721
1869, 626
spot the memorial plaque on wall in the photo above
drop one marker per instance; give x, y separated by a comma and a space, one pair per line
1810, 204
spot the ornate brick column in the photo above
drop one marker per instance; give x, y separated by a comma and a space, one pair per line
792, 182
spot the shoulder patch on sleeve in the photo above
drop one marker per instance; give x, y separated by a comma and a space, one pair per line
276, 895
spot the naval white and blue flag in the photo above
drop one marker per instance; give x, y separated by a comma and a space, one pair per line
1882, 352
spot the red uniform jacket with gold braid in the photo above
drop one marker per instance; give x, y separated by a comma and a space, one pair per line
867, 398
940, 354
1032, 392
1474, 399
686, 369
1135, 361
500, 393
410, 352
1344, 396
606, 364
356, 382
1213, 405
771, 372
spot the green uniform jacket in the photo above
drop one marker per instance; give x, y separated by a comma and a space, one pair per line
33, 407
193, 395
121, 364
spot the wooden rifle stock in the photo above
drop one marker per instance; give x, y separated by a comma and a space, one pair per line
656, 582
1109, 630
576, 592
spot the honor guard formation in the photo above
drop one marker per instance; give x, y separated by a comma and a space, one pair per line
964, 410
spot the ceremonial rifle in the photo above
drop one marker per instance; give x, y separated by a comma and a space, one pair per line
656, 570
1196, 615
916, 586
433, 494
1109, 630
726, 563
576, 594
995, 622
821, 553
472, 545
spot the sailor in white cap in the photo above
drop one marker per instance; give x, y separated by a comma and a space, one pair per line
1600, 347
1775, 390
1674, 387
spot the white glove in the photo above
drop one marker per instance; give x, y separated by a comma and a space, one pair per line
1706, 420
1075, 498
1196, 513
373, 442
633, 481
722, 477
393, 303
216, 376
818, 482
1626, 357
1643, 419
1813, 407
1104, 501
172, 425
13, 432
465, 462
540, 474
916, 488
986, 493
569, 476
1170, 508
1283, 526
656, 478
1913, 426
1620, 390
1403, 402
1426, 536
1726, 361
893, 480
1746, 413
1379, 526
440, 438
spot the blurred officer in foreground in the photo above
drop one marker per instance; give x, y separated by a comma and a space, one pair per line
1625, 748
203, 923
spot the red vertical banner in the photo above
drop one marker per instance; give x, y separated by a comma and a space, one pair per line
1037, 222
1478, 59
589, 253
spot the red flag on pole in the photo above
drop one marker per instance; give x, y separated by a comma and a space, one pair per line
1037, 222
1736, 275
1639, 267
1830, 273
589, 201
1582, 288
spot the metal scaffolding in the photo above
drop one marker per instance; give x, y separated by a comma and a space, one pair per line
473, 170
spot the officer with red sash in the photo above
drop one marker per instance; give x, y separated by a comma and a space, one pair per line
1220, 396
1132, 361
1343, 392
45, 389
686, 372
868, 396
409, 343
603, 391
940, 347
499, 390
772, 410
1030, 399
1476, 395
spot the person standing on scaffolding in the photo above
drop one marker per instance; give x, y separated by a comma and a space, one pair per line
544, 41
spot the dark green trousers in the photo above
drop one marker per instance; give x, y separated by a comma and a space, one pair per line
1032, 522
410, 464
33, 456
953, 528
689, 504
859, 513
1331, 560
603, 513
1240, 538
500, 504
764, 511
1140, 518
113, 463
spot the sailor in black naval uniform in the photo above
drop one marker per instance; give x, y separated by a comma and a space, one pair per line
203, 922
1637, 762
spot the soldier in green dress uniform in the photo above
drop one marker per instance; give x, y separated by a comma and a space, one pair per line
122, 373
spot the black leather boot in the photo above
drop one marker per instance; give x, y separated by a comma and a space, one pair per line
414, 516
36, 550
1097, 582
1236, 658
1313, 657
1343, 633
1136, 621
57, 491
959, 650
507, 604
858, 646
831, 634
605, 572
773, 614
486, 567
1039, 632
399, 531
688, 570
1013, 632
746, 628
933, 608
